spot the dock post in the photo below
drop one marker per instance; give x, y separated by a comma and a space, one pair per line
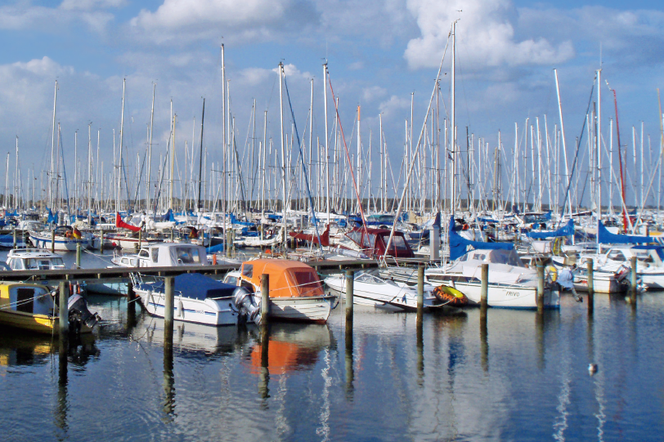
140, 239
14, 237
63, 309
101, 242
350, 279
540, 287
420, 293
265, 298
53, 241
169, 304
131, 302
484, 289
632, 280
591, 286
78, 255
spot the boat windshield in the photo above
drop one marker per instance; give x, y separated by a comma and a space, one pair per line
306, 279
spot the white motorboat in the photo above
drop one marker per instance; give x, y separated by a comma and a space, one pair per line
62, 239
34, 259
199, 299
511, 284
295, 290
164, 255
372, 290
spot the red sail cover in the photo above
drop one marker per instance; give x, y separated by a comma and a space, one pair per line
324, 238
121, 224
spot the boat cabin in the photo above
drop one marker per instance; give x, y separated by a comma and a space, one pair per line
165, 255
287, 278
373, 242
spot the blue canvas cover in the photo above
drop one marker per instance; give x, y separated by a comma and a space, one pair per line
566, 230
197, 286
459, 245
606, 237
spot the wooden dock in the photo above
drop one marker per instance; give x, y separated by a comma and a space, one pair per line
116, 274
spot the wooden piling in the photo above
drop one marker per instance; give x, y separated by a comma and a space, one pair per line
540, 287
484, 288
14, 237
265, 298
101, 242
131, 301
632, 279
63, 309
169, 304
420, 292
53, 241
350, 280
591, 286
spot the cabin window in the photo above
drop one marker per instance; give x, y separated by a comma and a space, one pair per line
355, 235
232, 280
185, 255
155, 255
304, 279
248, 270
399, 243
143, 253
195, 256
369, 240
25, 300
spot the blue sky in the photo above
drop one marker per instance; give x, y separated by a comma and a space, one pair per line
379, 52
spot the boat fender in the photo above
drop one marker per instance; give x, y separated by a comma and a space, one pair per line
552, 273
450, 295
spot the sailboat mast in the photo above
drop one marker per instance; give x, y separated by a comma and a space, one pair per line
200, 161
51, 186
119, 186
453, 120
149, 173
327, 146
283, 147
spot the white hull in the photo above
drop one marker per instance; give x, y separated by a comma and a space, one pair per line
508, 296
380, 295
602, 283
209, 311
61, 245
309, 309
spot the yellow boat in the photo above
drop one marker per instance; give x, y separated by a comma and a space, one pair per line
27, 306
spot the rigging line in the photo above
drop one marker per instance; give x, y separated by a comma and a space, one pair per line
343, 138
304, 168
578, 146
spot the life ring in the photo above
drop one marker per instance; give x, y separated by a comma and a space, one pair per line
552, 273
450, 296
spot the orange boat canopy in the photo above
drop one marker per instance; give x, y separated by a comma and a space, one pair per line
287, 278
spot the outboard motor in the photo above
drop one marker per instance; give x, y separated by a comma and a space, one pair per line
246, 305
80, 315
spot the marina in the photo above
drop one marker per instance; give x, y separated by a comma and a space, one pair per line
307, 221
500, 374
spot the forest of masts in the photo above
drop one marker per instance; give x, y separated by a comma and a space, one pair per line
538, 171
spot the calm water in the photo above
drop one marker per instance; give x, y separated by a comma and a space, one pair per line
518, 378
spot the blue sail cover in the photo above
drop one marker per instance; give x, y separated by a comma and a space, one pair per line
459, 245
606, 237
566, 230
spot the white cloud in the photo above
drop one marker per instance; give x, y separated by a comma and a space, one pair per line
53, 20
485, 35
372, 93
394, 106
204, 19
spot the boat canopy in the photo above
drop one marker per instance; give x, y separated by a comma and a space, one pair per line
373, 242
460, 245
197, 286
566, 230
287, 278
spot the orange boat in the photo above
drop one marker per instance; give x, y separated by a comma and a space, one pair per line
296, 291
